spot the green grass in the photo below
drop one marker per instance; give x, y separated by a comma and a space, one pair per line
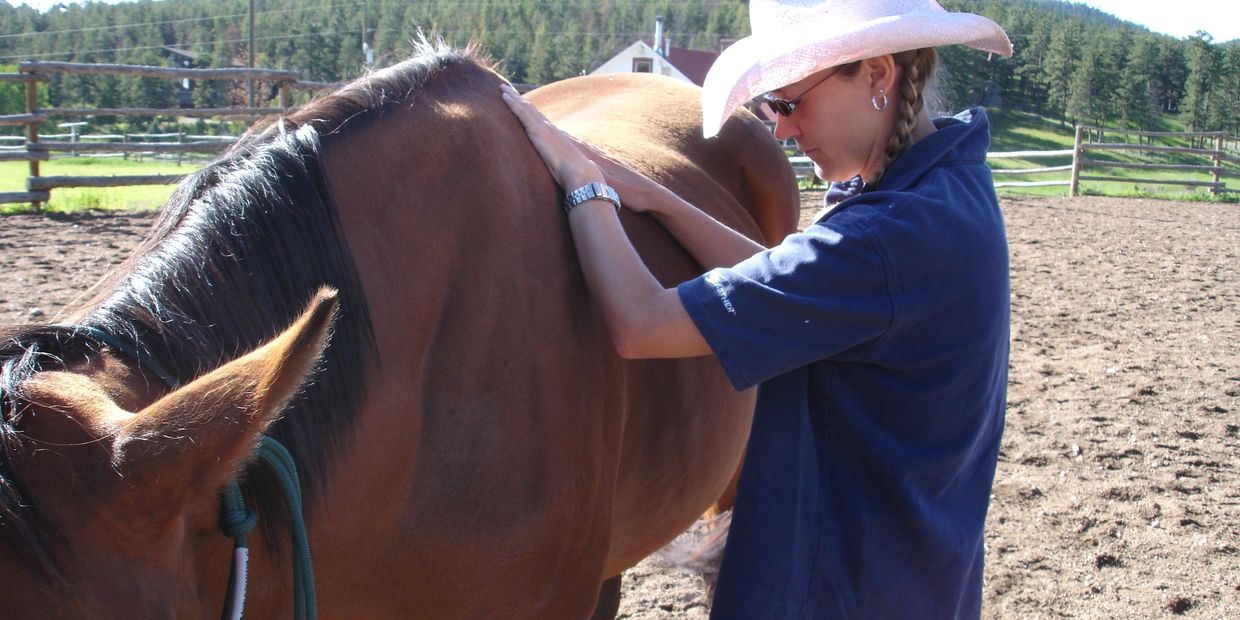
131, 198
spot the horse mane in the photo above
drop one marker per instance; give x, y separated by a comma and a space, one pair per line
234, 255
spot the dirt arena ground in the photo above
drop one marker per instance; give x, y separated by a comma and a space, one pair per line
1117, 494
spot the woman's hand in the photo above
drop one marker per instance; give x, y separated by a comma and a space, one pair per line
636, 189
574, 163
563, 155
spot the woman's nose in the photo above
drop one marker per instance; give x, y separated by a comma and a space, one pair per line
785, 128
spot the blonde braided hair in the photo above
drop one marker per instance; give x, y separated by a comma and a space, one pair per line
916, 68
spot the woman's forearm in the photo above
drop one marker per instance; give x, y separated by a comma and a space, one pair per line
711, 242
644, 319
708, 240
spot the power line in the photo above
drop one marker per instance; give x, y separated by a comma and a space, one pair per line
114, 26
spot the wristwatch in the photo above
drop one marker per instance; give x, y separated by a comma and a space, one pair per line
591, 191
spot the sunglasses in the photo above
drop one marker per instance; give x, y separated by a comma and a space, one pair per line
785, 107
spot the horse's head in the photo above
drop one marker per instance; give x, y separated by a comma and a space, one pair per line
114, 503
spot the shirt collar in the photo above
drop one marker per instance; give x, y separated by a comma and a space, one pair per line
843, 190
961, 138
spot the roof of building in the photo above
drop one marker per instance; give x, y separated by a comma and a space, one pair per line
693, 63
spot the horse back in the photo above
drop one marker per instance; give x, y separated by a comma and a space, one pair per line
653, 124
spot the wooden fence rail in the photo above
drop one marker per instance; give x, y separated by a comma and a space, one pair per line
33, 118
35, 150
130, 147
230, 73
34, 184
1215, 168
191, 112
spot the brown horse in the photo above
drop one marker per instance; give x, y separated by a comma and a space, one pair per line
470, 447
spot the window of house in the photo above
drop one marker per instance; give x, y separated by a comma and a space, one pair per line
643, 65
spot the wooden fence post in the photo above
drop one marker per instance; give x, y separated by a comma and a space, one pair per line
1218, 164
1076, 163
32, 131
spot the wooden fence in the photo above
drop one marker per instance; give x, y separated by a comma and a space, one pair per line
1090, 140
35, 148
39, 148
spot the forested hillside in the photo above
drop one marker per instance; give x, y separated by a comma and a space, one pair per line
1072, 63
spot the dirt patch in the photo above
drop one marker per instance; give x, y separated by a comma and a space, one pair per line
1117, 494
47, 261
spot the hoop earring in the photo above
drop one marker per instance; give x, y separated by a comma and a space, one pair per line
874, 101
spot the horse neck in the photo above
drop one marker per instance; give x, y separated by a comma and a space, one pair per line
445, 171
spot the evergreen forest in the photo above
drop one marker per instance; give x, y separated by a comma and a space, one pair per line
1072, 63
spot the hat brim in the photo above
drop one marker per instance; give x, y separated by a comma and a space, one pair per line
764, 62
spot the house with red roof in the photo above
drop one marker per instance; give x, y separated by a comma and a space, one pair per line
676, 62
662, 59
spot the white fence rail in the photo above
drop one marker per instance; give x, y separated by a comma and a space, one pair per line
1089, 139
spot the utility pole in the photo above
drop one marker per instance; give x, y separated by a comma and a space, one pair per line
368, 53
249, 84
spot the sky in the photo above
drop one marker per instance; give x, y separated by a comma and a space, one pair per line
1220, 18
1183, 18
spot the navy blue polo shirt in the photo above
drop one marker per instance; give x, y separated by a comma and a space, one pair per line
879, 340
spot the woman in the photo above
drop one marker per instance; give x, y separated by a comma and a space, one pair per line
879, 336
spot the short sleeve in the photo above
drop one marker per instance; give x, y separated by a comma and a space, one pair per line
821, 294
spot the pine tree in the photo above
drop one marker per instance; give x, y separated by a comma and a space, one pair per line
1170, 74
1136, 84
1203, 61
1224, 104
1062, 58
1081, 104
541, 69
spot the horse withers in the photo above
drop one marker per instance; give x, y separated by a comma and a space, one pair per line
470, 445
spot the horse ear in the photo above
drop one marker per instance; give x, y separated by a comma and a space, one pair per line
194, 439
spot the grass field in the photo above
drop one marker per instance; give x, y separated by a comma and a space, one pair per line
139, 197
1011, 131
1020, 131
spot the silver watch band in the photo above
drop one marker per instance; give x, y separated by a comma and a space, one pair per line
588, 192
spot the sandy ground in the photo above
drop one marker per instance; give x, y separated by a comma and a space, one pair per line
1117, 494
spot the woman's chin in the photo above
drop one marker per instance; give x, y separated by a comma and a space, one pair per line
829, 176
829, 173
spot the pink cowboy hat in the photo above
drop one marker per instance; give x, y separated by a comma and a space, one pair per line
793, 39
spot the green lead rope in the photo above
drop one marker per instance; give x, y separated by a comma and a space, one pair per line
236, 520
